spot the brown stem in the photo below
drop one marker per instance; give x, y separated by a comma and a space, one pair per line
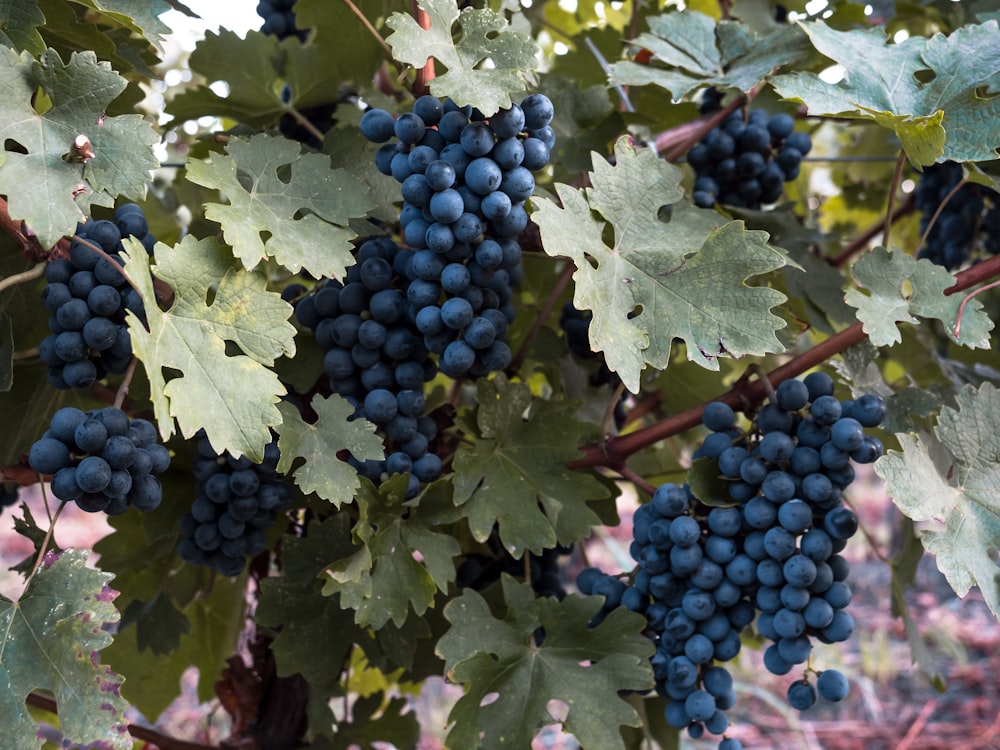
616, 450
965, 301
48, 538
609, 413
897, 177
425, 74
861, 241
368, 25
692, 137
543, 315
126, 382
162, 741
36, 271
305, 122
631, 475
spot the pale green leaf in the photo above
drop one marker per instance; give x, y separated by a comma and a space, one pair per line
963, 510
319, 443
484, 35
407, 560
142, 18
946, 117
689, 51
522, 445
50, 639
899, 287
659, 280
584, 668
263, 200
62, 190
232, 397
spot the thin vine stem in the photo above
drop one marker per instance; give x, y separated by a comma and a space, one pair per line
305, 122
126, 382
46, 541
897, 177
965, 300
543, 314
35, 272
368, 25
937, 213
860, 242
613, 452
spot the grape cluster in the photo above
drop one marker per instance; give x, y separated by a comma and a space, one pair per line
236, 501
279, 19
770, 558
87, 297
746, 163
464, 181
376, 358
102, 460
952, 238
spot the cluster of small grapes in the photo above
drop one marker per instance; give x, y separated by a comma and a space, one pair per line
746, 163
705, 572
87, 297
953, 236
279, 19
480, 571
102, 460
464, 179
376, 358
236, 501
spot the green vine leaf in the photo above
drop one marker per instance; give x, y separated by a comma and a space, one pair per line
690, 50
884, 276
583, 668
50, 640
19, 22
63, 191
403, 560
515, 474
263, 200
232, 397
319, 443
142, 18
484, 35
962, 510
660, 280
946, 117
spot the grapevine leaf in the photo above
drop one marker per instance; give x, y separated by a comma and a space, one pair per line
319, 443
966, 506
231, 397
407, 559
368, 731
19, 22
159, 623
883, 275
51, 639
697, 52
584, 668
63, 190
485, 36
522, 446
951, 116
660, 280
263, 200
142, 18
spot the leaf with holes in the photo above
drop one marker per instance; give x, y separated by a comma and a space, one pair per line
535, 656
319, 443
688, 50
883, 304
485, 37
660, 280
192, 377
934, 93
40, 143
296, 199
962, 511
50, 639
